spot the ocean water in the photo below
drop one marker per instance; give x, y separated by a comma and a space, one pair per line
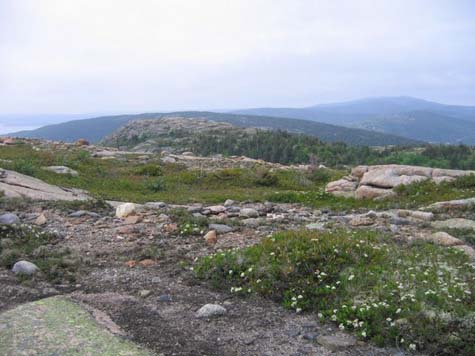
6, 127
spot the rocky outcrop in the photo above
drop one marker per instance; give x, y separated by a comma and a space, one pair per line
17, 185
377, 182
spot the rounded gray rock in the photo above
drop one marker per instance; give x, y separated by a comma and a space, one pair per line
9, 219
25, 267
210, 310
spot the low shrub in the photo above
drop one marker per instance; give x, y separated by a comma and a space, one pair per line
418, 297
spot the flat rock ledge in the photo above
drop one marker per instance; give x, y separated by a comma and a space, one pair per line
58, 326
17, 185
377, 182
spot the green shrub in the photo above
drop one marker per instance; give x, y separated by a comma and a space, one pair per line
150, 170
416, 296
156, 185
266, 178
464, 182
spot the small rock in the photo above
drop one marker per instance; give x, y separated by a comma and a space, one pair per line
165, 298
144, 293
147, 263
456, 223
361, 221
124, 210
315, 226
211, 237
62, 170
229, 202
25, 267
216, 209
311, 336
9, 219
155, 205
251, 222
336, 342
210, 310
249, 213
132, 220
221, 228
41, 220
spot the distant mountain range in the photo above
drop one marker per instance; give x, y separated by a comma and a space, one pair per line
404, 116
97, 128
373, 122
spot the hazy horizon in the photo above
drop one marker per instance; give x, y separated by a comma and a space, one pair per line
108, 56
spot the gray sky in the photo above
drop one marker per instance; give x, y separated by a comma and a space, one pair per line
79, 56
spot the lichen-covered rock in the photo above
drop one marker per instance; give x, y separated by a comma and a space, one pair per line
59, 326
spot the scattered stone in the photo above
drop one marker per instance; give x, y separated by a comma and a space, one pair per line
9, 219
41, 220
131, 263
210, 310
249, 213
443, 239
456, 223
62, 170
125, 210
251, 222
361, 221
165, 298
25, 267
147, 263
155, 205
144, 293
336, 342
132, 219
315, 226
168, 159
221, 228
211, 237
229, 202
216, 209
311, 336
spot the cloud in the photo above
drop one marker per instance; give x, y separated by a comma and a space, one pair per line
93, 55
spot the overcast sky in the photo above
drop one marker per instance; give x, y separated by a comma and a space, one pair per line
81, 56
